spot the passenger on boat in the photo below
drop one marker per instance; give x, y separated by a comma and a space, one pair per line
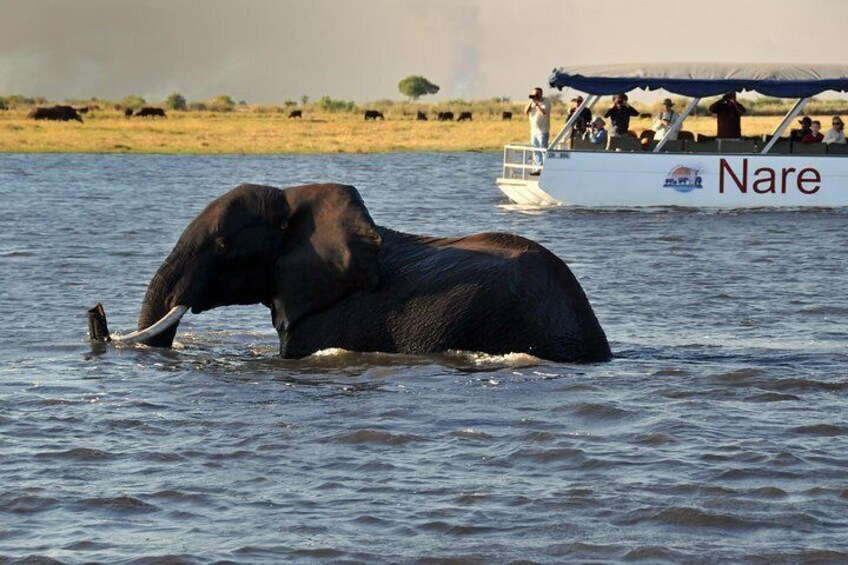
815, 135
836, 134
663, 121
583, 122
598, 133
539, 112
728, 116
806, 127
619, 115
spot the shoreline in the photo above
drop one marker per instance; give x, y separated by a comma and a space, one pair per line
249, 133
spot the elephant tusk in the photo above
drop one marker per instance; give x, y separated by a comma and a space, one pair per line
166, 322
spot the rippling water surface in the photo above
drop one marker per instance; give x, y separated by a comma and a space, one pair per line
718, 433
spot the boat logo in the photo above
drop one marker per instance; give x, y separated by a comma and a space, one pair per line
683, 179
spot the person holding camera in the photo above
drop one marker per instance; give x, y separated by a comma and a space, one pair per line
728, 116
539, 112
597, 134
619, 115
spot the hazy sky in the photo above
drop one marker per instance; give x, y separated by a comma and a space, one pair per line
271, 50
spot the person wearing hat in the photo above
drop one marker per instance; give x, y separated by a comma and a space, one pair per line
585, 119
799, 135
836, 134
728, 116
598, 133
619, 115
663, 121
539, 112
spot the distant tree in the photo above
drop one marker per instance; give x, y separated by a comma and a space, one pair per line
416, 86
242, 103
198, 106
289, 103
304, 100
133, 101
222, 103
176, 102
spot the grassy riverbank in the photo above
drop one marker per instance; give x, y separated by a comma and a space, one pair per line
107, 131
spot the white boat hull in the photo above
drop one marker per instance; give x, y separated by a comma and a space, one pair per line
621, 179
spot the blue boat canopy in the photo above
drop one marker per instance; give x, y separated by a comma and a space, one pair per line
699, 80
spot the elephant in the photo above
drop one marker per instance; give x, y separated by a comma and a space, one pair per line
150, 112
58, 113
332, 278
373, 115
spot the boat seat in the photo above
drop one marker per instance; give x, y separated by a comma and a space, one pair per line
837, 149
685, 135
585, 145
672, 146
782, 147
647, 134
809, 148
624, 143
736, 146
701, 146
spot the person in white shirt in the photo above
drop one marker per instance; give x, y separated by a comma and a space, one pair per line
663, 121
836, 134
539, 112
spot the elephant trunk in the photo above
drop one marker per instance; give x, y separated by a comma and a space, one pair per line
160, 306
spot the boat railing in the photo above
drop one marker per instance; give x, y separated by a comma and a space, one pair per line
518, 161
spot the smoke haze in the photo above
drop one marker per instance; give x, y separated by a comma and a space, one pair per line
272, 50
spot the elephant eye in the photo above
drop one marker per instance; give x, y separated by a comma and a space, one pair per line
220, 245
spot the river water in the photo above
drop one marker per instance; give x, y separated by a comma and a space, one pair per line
718, 433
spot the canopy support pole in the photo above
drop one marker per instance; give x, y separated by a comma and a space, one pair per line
588, 102
793, 113
678, 123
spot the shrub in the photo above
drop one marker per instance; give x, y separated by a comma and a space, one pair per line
198, 106
133, 101
222, 103
330, 105
176, 102
289, 103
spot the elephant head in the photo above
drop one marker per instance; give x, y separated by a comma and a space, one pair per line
297, 251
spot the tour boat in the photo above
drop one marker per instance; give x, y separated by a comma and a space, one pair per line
769, 171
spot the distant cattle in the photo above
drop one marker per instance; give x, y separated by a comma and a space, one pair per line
373, 115
421, 117
128, 112
506, 116
60, 113
445, 116
464, 116
148, 112
83, 110
87, 109
296, 114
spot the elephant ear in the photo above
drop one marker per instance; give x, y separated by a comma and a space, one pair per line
330, 251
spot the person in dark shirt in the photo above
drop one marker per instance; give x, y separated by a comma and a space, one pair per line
728, 115
806, 127
582, 123
619, 115
815, 135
